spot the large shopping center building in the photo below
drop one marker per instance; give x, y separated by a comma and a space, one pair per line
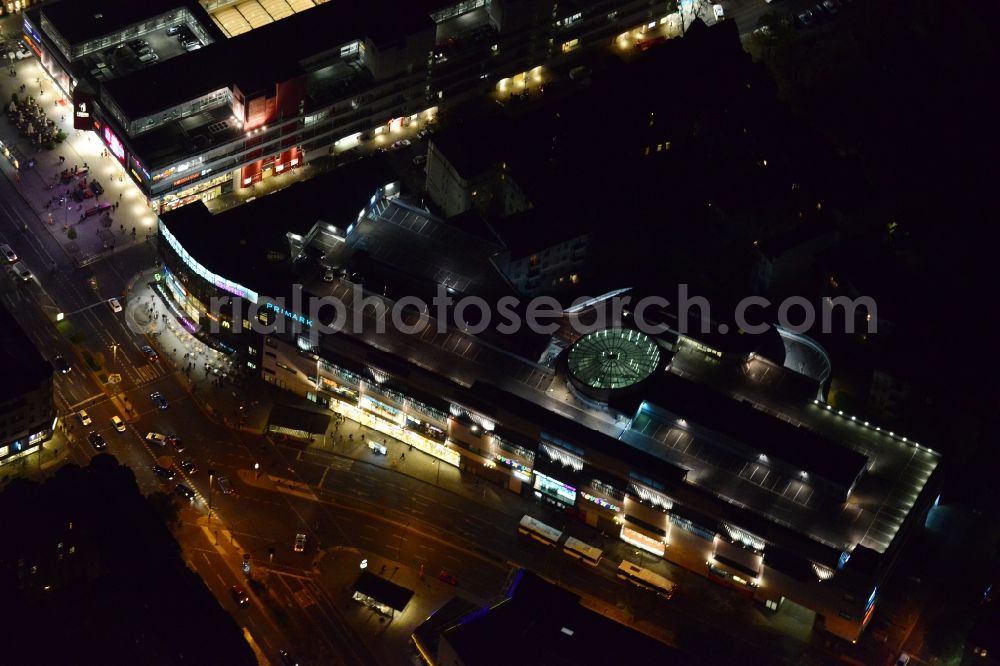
249, 94
721, 458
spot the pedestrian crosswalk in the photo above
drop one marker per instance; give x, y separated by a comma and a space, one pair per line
304, 598
341, 464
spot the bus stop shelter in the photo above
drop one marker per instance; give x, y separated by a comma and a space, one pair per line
381, 595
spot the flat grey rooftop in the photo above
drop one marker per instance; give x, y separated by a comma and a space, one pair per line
396, 234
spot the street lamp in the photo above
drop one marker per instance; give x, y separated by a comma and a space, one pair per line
114, 353
256, 470
211, 477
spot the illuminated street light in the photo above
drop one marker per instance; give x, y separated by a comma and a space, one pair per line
211, 477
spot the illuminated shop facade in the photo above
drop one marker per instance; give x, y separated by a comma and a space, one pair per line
189, 288
383, 87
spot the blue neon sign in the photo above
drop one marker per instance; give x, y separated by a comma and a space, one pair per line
288, 314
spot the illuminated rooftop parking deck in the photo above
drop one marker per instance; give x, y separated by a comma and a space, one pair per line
235, 17
884, 473
894, 472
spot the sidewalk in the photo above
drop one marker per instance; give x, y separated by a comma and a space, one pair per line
41, 186
202, 367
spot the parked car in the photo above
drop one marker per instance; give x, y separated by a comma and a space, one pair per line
61, 364
224, 485
96, 188
175, 441
422, 134
117, 422
84, 417
806, 19
446, 577
419, 159
164, 473
21, 271
158, 400
97, 441
287, 659
156, 438
239, 595
8, 253
300, 542
188, 466
719, 12
184, 491
174, 29
116, 307
21, 54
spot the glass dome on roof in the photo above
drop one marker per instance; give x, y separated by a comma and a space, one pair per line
613, 358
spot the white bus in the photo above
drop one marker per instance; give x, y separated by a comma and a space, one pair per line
646, 579
582, 551
539, 531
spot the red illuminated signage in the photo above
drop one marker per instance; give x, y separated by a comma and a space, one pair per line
116, 147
